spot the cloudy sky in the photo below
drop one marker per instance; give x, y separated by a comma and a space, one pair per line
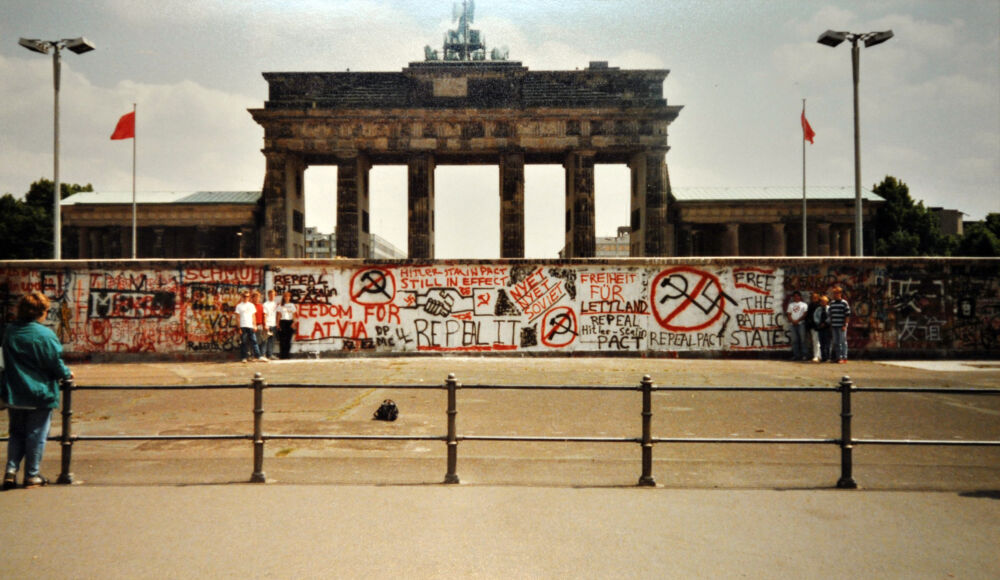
929, 98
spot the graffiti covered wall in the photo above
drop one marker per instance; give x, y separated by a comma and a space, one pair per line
644, 307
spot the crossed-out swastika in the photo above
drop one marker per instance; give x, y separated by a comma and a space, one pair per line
686, 299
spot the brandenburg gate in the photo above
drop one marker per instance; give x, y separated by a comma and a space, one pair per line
457, 110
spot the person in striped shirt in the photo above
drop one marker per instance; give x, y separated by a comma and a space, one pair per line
839, 311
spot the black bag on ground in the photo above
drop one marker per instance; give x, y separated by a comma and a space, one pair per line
387, 411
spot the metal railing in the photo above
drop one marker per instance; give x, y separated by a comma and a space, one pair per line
846, 441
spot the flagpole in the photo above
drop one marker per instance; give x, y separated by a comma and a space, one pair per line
133, 185
805, 237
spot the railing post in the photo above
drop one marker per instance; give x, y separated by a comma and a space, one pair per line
646, 479
65, 475
451, 476
258, 431
846, 480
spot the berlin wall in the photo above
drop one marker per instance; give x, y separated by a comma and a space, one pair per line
654, 307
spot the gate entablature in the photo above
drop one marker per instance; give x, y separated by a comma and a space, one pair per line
466, 112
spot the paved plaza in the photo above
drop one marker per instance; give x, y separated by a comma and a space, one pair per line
349, 508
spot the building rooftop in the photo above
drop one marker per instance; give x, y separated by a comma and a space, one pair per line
158, 197
681, 194
775, 193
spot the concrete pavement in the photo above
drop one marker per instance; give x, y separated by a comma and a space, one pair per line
295, 531
376, 509
543, 413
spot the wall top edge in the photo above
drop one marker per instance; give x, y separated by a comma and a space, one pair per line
618, 262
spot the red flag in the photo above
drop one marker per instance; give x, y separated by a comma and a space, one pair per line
807, 131
126, 127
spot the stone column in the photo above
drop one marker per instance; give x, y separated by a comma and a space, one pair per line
274, 234
352, 207
512, 205
82, 243
580, 228
125, 241
846, 236
244, 243
685, 240
284, 206
158, 250
776, 240
203, 246
823, 246
652, 235
731, 240
420, 237
93, 243
295, 242
813, 240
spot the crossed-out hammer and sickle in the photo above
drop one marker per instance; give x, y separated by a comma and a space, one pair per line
374, 282
562, 323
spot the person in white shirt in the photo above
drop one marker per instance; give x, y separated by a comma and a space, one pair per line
247, 312
286, 314
797, 310
270, 324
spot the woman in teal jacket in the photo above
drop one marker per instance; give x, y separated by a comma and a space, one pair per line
33, 367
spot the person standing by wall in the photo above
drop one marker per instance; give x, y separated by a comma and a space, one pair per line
811, 325
270, 324
247, 313
33, 368
840, 312
286, 312
796, 311
259, 324
821, 320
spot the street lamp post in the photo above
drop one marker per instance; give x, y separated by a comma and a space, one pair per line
79, 46
834, 38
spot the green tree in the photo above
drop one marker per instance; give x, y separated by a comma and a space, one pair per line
40, 193
981, 238
26, 225
904, 227
21, 231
